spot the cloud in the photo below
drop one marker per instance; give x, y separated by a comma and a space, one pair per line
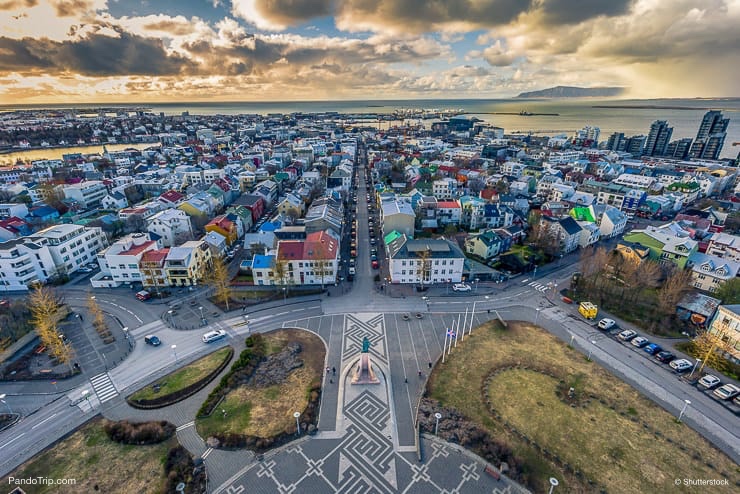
277, 15
72, 8
17, 4
575, 11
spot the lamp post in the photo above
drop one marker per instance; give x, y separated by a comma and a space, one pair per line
696, 364
284, 294
169, 313
537, 316
202, 319
436, 425
553, 484
590, 350
426, 301
2, 398
105, 360
297, 416
686, 403
476, 284
174, 352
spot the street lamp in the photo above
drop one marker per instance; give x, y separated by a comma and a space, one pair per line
297, 415
174, 352
169, 312
686, 403
105, 360
537, 316
284, 293
2, 398
476, 284
553, 484
590, 350
125, 332
202, 319
698, 361
436, 425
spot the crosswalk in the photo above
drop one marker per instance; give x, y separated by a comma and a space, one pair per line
539, 287
104, 387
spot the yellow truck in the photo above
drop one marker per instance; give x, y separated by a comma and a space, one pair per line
588, 310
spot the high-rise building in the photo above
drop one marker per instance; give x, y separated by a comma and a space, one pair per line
658, 138
634, 145
679, 149
615, 142
711, 136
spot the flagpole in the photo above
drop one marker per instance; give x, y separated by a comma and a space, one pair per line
458, 328
452, 334
465, 323
444, 347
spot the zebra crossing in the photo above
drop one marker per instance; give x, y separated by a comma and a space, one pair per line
539, 286
103, 387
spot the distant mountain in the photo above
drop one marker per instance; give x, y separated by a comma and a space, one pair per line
573, 92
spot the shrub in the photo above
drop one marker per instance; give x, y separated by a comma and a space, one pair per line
139, 433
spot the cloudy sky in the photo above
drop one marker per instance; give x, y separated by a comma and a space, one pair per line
75, 51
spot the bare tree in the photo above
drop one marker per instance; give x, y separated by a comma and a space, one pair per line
674, 287
218, 279
45, 310
322, 268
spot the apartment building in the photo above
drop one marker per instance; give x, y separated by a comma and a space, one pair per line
172, 226
88, 194
119, 263
72, 246
424, 261
24, 262
187, 264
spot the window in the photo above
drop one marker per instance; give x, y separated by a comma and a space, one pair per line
132, 266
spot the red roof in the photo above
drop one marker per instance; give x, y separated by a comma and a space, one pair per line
222, 222
156, 256
289, 250
488, 194
135, 250
172, 196
222, 184
320, 245
448, 205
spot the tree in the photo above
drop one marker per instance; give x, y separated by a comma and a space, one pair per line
674, 287
280, 271
219, 280
45, 305
426, 266
729, 292
712, 346
135, 223
322, 268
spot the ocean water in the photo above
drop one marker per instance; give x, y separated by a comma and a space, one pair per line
573, 114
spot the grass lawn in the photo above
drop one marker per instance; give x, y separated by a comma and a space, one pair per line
183, 377
265, 412
615, 437
97, 464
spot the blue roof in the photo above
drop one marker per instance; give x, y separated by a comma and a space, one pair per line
261, 261
271, 226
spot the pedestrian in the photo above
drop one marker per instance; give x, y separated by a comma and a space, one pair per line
334, 370
406, 380
430, 365
419, 373
331, 381
328, 369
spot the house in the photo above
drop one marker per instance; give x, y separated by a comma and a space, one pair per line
152, 268
566, 231
486, 244
119, 263
8, 210
497, 216
187, 264
424, 261
472, 212
216, 242
665, 245
708, 272
14, 227
292, 206
726, 327
725, 246
171, 199
254, 203
114, 200
244, 214
227, 225
397, 215
313, 261
172, 226
325, 213
444, 189
448, 213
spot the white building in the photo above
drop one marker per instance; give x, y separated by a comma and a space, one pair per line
424, 261
72, 246
445, 189
171, 225
23, 262
13, 209
88, 194
121, 260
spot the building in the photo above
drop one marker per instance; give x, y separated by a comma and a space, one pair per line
725, 246
397, 215
658, 138
486, 244
726, 327
24, 262
187, 264
665, 245
227, 225
709, 272
88, 194
72, 246
152, 268
119, 263
710, 138
566, 231
172, 226
424, 261
9, 210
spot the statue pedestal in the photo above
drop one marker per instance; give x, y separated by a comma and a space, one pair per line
364, 373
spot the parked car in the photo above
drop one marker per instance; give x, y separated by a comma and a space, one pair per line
405, 317
606, 324
726, 392
152, 340
213, 335
681, 365
665, 356
626, 335
639, 342
419, 315
461, 287
653, 348
709, 381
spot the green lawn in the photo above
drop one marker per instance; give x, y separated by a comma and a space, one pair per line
183, 377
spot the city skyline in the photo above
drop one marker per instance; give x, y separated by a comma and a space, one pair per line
80, 51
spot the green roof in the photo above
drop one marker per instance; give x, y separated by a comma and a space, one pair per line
582, 214
391, 237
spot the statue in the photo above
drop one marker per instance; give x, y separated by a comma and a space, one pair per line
364, 373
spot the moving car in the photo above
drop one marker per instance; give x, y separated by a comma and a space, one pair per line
461, 287
152, 340
726, 392
665, 356
708, 381
681, 365
418, 315
213, 335
375, 265
639, 342
653, 348
607, 324
351, 270
626, 335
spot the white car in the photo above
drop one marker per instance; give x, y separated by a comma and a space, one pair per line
607, 324
639, 342
727, 392
681, 365
626, 335
461, 287
709, 381
213, 335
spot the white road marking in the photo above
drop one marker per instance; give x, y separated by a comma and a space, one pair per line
45, 420
13, 440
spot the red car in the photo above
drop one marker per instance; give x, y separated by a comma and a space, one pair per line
375, 265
